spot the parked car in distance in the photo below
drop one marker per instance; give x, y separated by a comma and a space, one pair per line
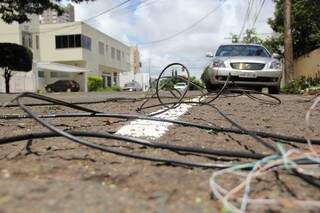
181, 86
249, 65
132, 86
63, 86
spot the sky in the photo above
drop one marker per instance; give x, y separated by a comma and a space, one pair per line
204, 25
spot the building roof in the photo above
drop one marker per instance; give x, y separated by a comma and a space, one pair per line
56, 67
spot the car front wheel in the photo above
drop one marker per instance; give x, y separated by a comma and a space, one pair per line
212, 88
274, 90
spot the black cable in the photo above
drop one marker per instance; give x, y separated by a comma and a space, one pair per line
159, 86
119, 99
307, 178
70, 136
278, 137
114, 151
92, 113
220, 92
52, 100
106, 135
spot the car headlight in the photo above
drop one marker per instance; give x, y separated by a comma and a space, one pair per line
218, 63
275, 65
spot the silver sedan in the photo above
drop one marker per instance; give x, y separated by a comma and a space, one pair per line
249, 65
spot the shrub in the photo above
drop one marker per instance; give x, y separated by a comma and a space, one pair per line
195, 84
116, 88
298, 85
205, 75
168, 84
95, 83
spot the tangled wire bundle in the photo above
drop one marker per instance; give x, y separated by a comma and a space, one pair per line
293, 161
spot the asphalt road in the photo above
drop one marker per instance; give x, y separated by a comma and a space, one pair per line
57, 175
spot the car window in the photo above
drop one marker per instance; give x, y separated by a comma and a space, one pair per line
242, 50
58, 82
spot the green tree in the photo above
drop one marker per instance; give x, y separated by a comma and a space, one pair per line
234, 38
18, 10
195, 84
14, 57
273, 44
250, 36
168, 83
305, 25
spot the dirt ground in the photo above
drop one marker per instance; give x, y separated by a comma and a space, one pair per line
57, 175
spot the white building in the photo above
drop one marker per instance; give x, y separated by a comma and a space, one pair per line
51, 16
142, 79
72, 50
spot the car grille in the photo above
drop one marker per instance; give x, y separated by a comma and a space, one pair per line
247, 66
258, 79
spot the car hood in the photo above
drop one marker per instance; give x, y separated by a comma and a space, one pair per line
249, 59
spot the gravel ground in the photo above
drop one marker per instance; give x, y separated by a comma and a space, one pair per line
56, 175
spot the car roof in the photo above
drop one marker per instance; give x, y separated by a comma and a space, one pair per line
241, 44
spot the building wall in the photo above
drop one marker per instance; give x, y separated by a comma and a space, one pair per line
141, 78
94, 60
105, 60
10, 32
308, 65
134, 60
48, 51
14, 33
20, 82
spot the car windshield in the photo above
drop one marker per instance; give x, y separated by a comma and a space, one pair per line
242, 50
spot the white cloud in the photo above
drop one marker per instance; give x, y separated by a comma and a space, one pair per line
158, 19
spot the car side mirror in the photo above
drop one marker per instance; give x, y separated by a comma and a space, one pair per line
276, 56
209, 55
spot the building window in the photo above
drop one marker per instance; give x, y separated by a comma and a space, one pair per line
113, 52
127, 58
73, 41
107, 50
86, 42
41, 74
27, 39
78, 40
101, 48
107, 80
115, 78
37, 42
118, 55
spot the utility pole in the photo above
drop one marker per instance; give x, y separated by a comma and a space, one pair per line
288, 42
149, 70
